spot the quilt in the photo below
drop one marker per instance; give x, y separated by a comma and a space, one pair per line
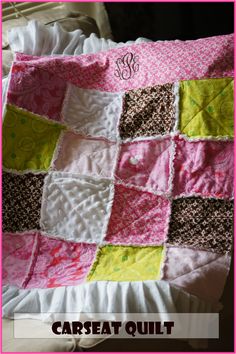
118, 167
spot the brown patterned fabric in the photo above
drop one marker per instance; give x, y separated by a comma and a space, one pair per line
148, 112
205, 224
22, 196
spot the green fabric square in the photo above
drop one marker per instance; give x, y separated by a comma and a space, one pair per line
206, 107
29, 141
127, 263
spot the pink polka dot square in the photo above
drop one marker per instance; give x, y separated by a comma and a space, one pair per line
145, 164
204, 168
138, 218
88, 156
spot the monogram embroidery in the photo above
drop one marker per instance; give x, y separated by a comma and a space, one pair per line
127, 66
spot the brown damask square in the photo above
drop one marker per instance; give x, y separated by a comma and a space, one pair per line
204, 224
22, 196
147, 112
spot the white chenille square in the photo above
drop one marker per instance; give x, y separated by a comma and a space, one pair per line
76, 208
91, 112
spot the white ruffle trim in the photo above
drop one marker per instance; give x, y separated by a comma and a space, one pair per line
101, 297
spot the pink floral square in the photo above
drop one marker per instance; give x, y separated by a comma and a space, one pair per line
204, 168
61, 263
138, 218
145, 164
36, 90
89, 156
32, 260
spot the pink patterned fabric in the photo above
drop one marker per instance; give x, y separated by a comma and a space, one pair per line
87, 156
61, 263
145, 164
31, 260
204, 168
198, 272
17, 257
36, 90
138, 218
145, 64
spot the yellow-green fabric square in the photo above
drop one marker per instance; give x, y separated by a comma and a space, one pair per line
29, 141
127, 263
206, 107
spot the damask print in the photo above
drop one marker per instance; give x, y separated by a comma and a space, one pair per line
148, 112
204, 224
127, 66
22, 196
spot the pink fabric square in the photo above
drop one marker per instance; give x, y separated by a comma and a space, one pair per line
204, 168
137, 218
36, 90
61, 263
18, 249
200, 273
31, 260
89, 156
145, 164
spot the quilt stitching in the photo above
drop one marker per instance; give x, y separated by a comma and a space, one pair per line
203, 109
197, 268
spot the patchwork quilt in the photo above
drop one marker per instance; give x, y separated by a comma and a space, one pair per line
118, 167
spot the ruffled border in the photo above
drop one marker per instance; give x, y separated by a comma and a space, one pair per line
102, 297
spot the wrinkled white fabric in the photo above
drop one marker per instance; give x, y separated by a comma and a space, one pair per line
101, 297
37, 39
